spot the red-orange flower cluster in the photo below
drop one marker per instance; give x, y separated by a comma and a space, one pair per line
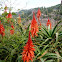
12, 30
2, 30
38, 16
12, 26
28, 51
9, 15
34, 26
38, 13
49, 23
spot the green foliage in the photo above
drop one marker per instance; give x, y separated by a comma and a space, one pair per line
61, 10
13, 13
4, 14
47, 44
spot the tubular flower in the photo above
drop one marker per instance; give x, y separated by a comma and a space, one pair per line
11, 32
38, 15
9, 15
34, 26
49, 23
28, 51
12, 26
19, 19
2, 29
12, 29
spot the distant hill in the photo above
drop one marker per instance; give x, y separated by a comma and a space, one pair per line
53, 10
53, 13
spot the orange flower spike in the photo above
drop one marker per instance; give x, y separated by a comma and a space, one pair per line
38, 13
2, 30
34, 26
9, 15
38, 16
12, 26
49, 23
28, 51
11, 32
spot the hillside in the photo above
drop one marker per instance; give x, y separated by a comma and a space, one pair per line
44, 10
53, 13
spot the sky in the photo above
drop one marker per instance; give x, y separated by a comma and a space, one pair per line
28, 4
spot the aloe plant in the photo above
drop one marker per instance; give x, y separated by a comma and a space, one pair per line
52, 39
